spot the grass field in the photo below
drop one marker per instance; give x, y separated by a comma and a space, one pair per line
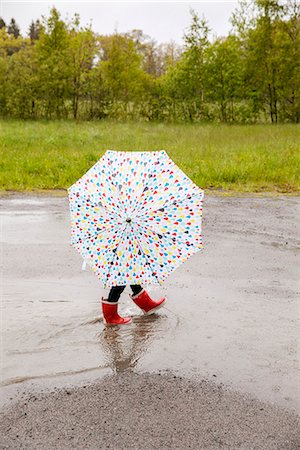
241, 158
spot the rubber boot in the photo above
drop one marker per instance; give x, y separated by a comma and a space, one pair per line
110, 314
145, 302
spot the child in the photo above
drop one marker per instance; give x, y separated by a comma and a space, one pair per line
140, 297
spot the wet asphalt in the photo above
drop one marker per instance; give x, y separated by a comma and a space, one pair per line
216, 368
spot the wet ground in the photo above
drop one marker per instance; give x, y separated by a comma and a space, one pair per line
232, 316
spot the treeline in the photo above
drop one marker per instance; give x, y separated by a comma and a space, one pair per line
63, 70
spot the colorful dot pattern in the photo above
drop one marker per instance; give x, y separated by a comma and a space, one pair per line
135, 217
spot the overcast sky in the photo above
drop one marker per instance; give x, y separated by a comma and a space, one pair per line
163, 21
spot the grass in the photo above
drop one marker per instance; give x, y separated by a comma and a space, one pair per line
241, 158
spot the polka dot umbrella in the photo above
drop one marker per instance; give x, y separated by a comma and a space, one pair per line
135, 217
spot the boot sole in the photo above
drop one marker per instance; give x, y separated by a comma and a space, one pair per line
153, 311
116, 324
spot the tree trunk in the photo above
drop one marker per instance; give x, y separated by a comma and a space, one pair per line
271, 102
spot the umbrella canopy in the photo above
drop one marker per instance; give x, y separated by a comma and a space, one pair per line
135, 217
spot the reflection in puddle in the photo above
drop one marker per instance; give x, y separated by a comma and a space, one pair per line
123, 346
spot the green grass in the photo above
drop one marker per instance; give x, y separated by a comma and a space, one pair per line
243, 158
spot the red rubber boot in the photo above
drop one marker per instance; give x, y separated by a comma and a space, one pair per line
145, 302
110, 314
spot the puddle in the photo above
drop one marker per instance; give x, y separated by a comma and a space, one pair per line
231, 315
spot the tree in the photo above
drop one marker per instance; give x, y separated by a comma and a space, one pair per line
184, 82
9, 44
147, 48
34, 30
62, 69
196, 43
82, 49
21, 84
54, 65
96, 93
224, 83
243, 18
122, 69
168, 55
3, 80
270, 41
287, 42
13, 28
2, 24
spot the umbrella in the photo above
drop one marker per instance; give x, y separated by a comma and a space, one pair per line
135, 217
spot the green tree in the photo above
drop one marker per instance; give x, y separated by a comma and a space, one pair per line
121, 66
168, 55
21, 84
54, 65
3, 80
196, 43
287, 43
224, 67
83, 50
270, 41
9, 44
96, 93
184, 83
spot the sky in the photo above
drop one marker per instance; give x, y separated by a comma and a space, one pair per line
163, 21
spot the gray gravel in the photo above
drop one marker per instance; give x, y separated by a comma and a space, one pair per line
147, 411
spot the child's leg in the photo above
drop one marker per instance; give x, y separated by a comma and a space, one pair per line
142, 299
115, 293
136, 288
110, 307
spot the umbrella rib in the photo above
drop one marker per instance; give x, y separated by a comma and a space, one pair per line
138, 199
90, 222
164, 276
167, 205
93, 236
147, 262
167, 236
115, 253
96, 204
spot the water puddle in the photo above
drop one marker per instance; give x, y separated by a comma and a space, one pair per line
227, 314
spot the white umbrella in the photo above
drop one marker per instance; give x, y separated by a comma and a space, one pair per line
135, 217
